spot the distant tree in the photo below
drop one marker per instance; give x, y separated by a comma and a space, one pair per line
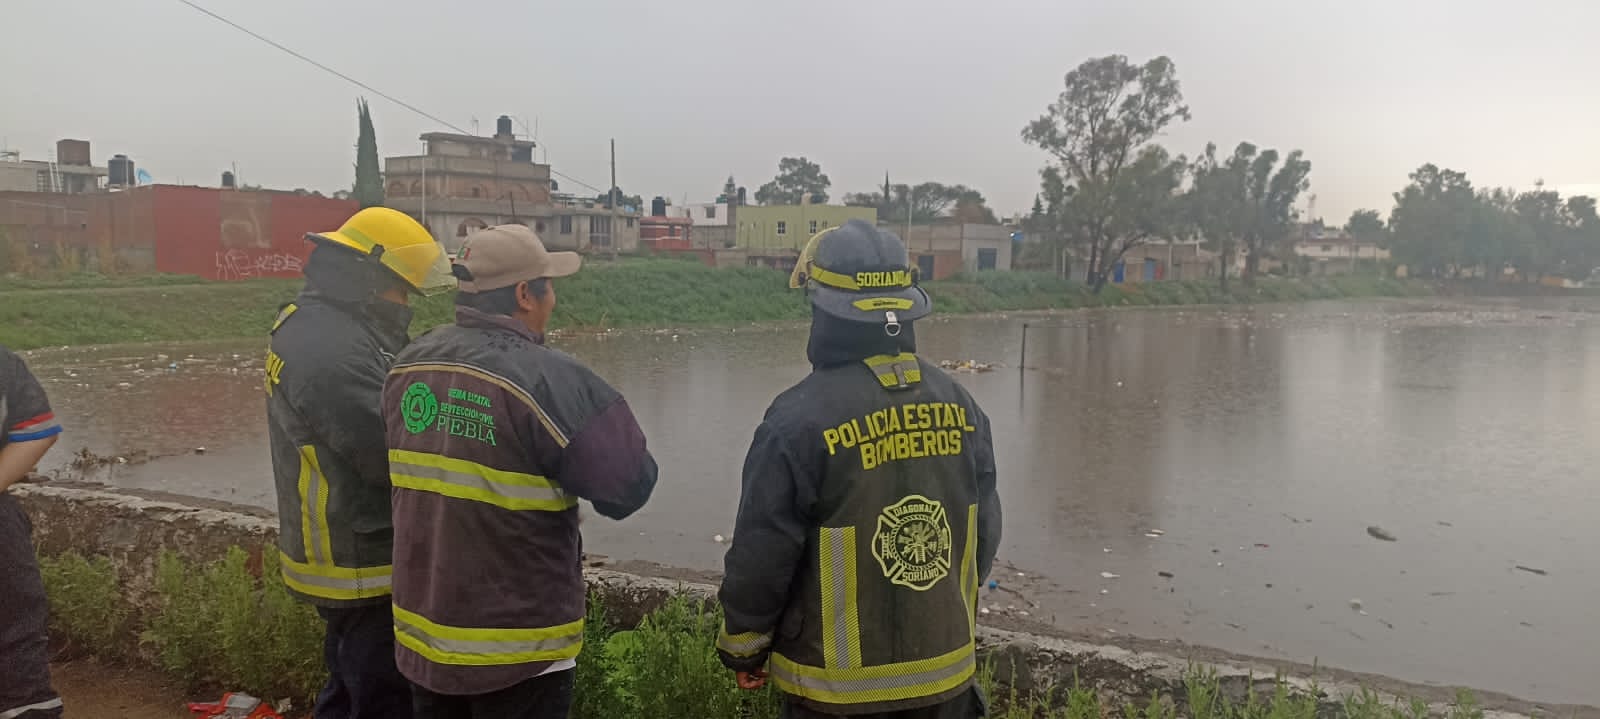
1099, 133
368, 189
1367, 226
1272, 194
929, 201
1432, 220
623, 199
797, 178
1215, 206
730, 192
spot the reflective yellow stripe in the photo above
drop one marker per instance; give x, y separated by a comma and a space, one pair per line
314, 508
883, 683
841, 622
747, 644
496, 380
331, 582
472, 481
969, 570
464, 646
896, 370
283, 316
874, 280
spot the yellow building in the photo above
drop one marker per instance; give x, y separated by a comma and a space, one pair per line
772, 228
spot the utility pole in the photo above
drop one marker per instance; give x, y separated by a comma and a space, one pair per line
614, 223
425, 188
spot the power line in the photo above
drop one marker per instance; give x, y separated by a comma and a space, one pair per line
355, 82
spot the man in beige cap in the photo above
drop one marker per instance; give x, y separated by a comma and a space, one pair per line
493, 439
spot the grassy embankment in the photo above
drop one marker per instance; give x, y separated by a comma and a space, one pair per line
221, 626
82, 310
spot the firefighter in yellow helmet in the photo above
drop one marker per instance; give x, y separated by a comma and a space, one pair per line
330, 351
868, 515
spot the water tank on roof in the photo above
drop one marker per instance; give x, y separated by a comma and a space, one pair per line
658, 207
121, 171
227, 180
502, 126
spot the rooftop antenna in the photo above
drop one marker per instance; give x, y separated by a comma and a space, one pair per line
474, 125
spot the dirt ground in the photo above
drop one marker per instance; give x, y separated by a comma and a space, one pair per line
91, 690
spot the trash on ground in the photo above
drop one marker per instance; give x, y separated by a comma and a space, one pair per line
719, 539
993, 584
1381, 534
1531, 570
234, 705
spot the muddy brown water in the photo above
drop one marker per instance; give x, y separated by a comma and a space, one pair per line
1245, 453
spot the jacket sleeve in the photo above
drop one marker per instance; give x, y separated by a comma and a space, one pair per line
607, 463
341, 401
769, 540
988, 499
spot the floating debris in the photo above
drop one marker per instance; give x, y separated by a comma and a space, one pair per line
993, 584
1381, 534
1165, 575
1531, 570
1109, 575
719, 539
966, 365
1356, 605
199, 450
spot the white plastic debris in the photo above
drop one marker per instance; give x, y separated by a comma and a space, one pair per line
983, 610
1109, 575
719, 539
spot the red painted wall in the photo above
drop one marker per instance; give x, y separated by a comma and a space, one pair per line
231, 235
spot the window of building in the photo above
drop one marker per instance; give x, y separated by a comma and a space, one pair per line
477, 192
711, 212
566, 224
599, 231
783, 227
538, 226
988, 257
630, 223
812, 228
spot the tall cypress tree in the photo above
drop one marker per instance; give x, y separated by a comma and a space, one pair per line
369, 180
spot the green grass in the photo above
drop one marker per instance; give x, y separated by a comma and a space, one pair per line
89, 309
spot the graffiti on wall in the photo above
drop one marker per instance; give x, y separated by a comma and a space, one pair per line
237, 264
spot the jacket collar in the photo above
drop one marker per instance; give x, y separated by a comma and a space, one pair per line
477, 319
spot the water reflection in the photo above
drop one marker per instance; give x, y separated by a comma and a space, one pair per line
1261, 443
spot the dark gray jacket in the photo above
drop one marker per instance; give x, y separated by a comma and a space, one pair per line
325, 373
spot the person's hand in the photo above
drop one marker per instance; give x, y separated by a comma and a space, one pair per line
751, 681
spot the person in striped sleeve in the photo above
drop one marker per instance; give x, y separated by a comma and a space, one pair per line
29, 430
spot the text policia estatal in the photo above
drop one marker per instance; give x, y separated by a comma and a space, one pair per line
902, 432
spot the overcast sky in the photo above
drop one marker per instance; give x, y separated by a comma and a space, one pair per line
695, 90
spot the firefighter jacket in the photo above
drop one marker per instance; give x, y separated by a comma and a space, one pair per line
867, 520
325, 372
493, 438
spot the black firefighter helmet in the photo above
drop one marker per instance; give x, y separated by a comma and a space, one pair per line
860, 273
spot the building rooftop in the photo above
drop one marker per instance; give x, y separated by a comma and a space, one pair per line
473, 139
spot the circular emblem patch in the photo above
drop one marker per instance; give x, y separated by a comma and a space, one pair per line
912, 544
419, 407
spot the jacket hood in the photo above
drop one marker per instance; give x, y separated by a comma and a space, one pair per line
836, 341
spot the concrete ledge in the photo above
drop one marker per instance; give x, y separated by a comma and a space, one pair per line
134, 529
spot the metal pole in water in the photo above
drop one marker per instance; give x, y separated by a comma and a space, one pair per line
1022, 359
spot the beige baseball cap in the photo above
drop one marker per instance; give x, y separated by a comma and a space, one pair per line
504, 255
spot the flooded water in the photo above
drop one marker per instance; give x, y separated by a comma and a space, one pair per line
1245, 453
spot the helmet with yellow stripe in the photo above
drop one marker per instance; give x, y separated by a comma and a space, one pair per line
399, 243
860, 273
